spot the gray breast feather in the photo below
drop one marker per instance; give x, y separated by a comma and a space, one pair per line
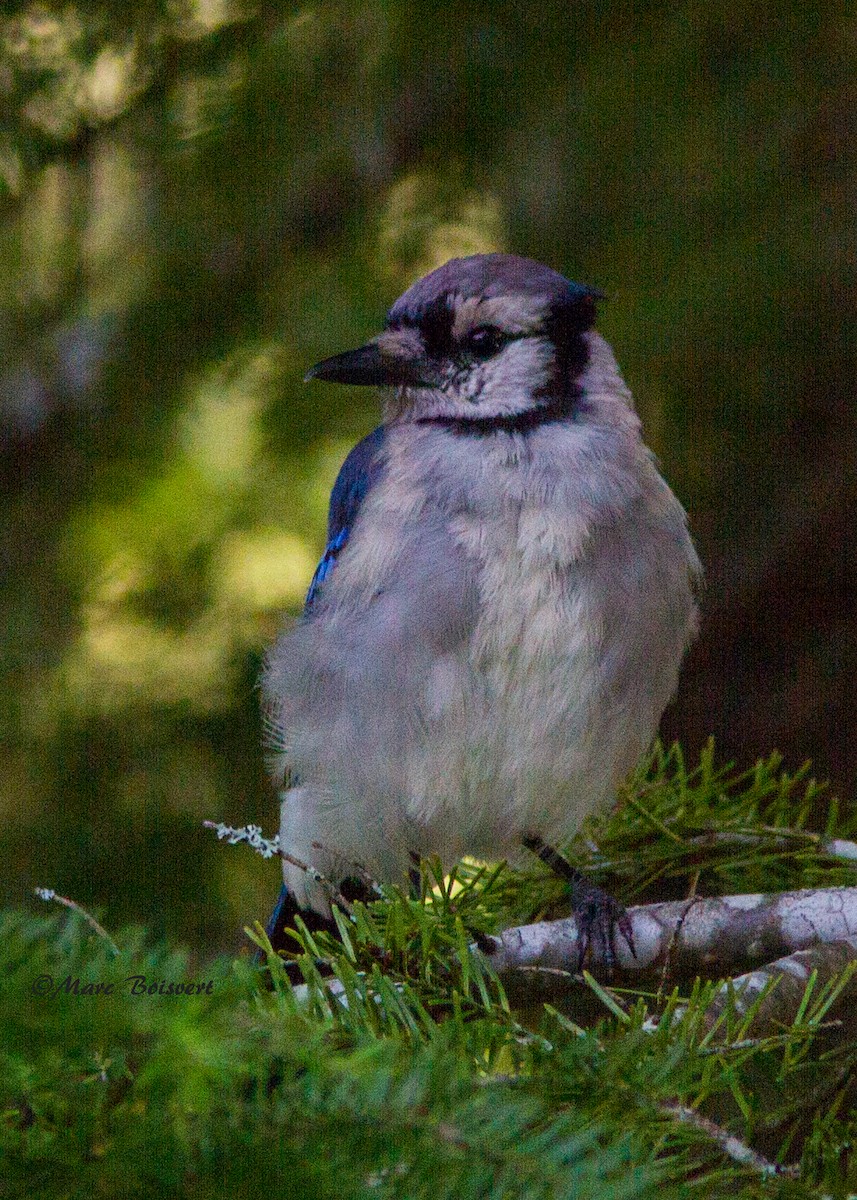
349, 688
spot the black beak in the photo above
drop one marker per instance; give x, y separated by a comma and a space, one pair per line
371, 365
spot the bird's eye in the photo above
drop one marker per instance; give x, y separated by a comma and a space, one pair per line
484, 341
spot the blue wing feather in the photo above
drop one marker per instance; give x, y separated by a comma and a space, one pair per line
357, 475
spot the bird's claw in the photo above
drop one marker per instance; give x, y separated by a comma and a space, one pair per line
599, 917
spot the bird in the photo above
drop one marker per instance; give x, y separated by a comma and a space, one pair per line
499, 616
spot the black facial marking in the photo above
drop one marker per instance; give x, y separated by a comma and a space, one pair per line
434, 322
568, 318
565, 323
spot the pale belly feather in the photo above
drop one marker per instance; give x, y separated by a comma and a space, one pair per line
529, 735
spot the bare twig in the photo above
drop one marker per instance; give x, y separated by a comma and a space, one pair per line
332, 890
777, 838
250, 834
48, 895
731, 1145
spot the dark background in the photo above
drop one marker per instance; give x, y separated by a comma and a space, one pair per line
200, 200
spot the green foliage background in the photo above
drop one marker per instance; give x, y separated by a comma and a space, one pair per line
204, 197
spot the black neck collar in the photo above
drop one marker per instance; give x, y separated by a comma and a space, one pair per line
520, 422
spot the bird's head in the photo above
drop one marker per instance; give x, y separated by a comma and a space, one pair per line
485, 337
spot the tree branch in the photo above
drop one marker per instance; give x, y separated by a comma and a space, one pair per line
829, 967
699, 936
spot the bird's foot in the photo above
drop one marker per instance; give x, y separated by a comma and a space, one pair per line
598, 915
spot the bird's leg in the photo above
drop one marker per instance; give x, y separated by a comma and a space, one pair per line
354, 887
283, 918
598, 914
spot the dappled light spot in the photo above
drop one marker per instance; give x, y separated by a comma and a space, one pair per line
428, 219
220, 430
112, 81
263, 571
185, 575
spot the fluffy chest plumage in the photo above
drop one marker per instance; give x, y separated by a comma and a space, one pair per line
494, 647
523, 551
521, 511
518, 697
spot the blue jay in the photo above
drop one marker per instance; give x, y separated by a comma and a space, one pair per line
507, 591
